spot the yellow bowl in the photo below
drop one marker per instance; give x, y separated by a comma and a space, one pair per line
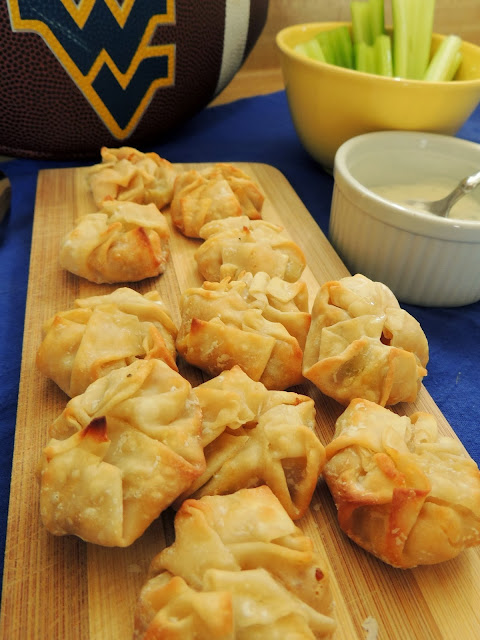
331, 104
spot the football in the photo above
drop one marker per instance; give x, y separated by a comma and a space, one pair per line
76, 75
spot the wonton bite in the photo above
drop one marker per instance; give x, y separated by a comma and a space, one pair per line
361, 344
403, 492
221, 191
252, 436
239, 568
253, 322
235, 245
120, 454
102, 333
124, 242
126, 174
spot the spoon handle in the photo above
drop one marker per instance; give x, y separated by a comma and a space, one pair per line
471, 182
465, 186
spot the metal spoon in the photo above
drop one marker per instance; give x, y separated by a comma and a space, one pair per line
442, 207
5, 194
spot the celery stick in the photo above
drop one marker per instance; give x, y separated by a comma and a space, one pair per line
443, 59
377, 18
315, 51
456, 62
361, 28
364, 57
301, 48
342, 45
420, 38
383, 55
345, 38
325, 41
311, 49
401, 19
371, 59
361, 62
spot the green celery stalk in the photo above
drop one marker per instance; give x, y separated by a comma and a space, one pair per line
342, 45
364, 57
371, 59
444, 60
377, 18
456, 62
383, 55
401, 21
301, 48
311, 49
334, 47
324, 39
420, 37
361, 26
315, 51
405, 53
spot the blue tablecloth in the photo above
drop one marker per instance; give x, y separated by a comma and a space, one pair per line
254, 130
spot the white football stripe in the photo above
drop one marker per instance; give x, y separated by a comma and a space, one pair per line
237, 17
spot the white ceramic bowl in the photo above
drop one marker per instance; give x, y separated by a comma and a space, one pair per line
424, 259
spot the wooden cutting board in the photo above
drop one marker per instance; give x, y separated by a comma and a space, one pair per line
61, 588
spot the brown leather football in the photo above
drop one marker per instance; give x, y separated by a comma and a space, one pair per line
79, 74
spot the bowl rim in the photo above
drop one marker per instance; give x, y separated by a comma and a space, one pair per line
288, 51
414, 221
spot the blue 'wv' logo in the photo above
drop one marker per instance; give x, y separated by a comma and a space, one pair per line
105, 48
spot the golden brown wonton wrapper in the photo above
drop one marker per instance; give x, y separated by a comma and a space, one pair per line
279, 301
362, 344
214, 193
239, 569
124, 242
403, 492
239, 322
254, 436
234, 245
103, 333
120, 454
127, 174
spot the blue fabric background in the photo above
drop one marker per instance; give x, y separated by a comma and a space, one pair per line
254, 130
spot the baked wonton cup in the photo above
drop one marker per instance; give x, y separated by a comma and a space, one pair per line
361, 344
254, 436
234, 245
120, 454
279, 301
248, 323
214, 193
239, 568
403, 492
124, 242
102, 333
127, 174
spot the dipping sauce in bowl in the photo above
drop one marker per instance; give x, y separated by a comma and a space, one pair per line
423, 258
467, 208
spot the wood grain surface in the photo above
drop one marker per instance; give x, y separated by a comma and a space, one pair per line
61, 588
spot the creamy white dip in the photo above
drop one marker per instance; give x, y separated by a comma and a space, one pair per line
467, 208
